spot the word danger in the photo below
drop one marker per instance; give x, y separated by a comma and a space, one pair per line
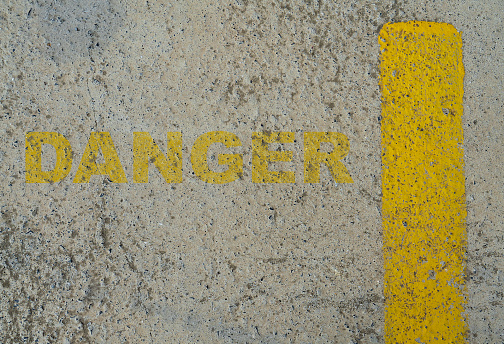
145, 152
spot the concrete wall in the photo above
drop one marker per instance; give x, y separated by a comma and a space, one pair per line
239, 262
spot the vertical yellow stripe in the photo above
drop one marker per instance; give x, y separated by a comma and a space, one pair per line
423, 183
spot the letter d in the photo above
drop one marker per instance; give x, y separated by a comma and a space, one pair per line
33, 157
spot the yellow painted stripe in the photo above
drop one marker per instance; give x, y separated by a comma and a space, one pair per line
424, 212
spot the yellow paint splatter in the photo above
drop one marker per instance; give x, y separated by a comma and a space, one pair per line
423, 183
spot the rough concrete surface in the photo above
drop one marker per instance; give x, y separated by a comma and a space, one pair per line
239, 262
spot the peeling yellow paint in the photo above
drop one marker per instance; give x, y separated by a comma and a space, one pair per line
424, 212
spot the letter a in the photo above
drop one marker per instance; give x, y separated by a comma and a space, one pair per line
88, 165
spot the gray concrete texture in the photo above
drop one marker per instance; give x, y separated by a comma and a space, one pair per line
240, 262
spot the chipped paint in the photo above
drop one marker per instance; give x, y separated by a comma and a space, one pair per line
423, 183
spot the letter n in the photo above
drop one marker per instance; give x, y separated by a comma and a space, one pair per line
145, 151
